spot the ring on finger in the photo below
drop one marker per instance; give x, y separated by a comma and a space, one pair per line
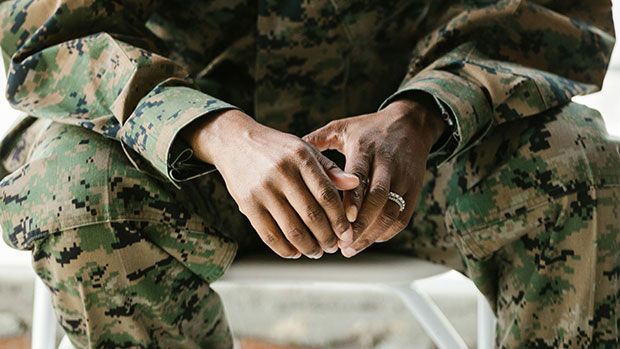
392, 196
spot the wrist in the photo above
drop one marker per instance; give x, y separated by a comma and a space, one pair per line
209, 135
422, 111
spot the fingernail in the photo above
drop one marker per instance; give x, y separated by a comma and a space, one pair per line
332, 249
352, 213
347, 236
349, 252
295, 256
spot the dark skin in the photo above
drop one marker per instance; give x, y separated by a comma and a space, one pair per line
387, 150
289, 190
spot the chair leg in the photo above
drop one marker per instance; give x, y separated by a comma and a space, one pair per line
486, 324
65, 343
430, 317
43, 318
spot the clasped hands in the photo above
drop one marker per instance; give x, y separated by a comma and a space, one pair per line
289, 191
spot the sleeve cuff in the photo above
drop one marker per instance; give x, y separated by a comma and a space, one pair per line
183, 165
149, 137
467, 105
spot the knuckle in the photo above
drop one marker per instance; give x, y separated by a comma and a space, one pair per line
386, 154
328, 240
254, 194
379, 190
377, 194
360, 224
245, 210
248, 207
326, 162
295, 234
385, 220
334, 124
269, 238
256, 191
300, 150
361, 143
313, 213
307, 163
281, 165
341, 224
328, 195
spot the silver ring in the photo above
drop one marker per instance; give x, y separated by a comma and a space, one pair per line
392, 196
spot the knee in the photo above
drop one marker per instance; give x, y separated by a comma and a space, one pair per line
63, 184
107, 276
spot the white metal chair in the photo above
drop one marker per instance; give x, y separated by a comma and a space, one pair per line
393, 273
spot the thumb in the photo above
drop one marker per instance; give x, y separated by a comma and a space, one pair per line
326, 137
342, 180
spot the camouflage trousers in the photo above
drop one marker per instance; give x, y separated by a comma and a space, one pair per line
531, 214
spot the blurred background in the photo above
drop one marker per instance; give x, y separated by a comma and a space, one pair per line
309, 317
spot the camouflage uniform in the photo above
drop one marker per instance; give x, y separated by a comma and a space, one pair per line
128, 229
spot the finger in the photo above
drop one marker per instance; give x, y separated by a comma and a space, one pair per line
312, 214
403, 219
327, 196
358, 163
294, 229
373, 204
341, 179
389, 219
270, 233
329, 136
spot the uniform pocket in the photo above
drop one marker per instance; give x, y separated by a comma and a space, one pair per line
560, 152
481, 227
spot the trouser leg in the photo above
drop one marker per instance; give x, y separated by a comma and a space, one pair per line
532, 216
108, 293
128, 259
559, 288
538, 227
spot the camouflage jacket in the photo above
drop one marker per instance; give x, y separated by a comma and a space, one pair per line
138, 71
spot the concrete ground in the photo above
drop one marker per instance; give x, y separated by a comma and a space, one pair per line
345, 318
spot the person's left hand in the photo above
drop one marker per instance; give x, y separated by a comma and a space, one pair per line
387, 150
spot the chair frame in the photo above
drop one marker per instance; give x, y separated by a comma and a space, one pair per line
419, 303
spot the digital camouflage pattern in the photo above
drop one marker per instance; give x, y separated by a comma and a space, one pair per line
534, 213
128, 232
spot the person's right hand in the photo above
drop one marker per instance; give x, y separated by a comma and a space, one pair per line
287, 189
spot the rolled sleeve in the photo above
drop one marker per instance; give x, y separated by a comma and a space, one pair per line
464, 101
149, 136
481, 61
